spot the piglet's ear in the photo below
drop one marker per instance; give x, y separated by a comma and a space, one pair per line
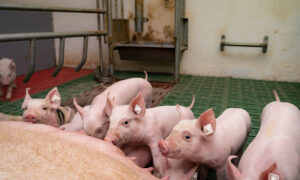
137, 106
109, 105
232, 171
12, 66
207, 122
179, 112
81, 111
53, 97
271, 173
26, 99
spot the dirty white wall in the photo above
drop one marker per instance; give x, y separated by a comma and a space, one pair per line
239, 20
244, 21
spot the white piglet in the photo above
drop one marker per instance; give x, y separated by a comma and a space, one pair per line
7, 76
95, 121
274, 154
135, 125
208, 140
46, 111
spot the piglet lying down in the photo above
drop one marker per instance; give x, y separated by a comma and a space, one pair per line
37, 151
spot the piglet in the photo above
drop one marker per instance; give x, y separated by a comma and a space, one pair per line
274, 154
7, 76
208, 140
76, 123
46, 111
134, 125
95, 120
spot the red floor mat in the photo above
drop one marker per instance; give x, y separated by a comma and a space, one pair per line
43, 80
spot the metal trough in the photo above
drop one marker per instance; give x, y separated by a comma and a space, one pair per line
146, 51
150, 50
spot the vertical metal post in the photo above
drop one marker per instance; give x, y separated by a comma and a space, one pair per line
111, 55
84, 53
61, 56
139, 15
99, 37
178, 32
32, 61
116, 9
105, 18
122, 9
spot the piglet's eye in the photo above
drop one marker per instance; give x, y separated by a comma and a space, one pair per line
186, 136
125, 123
25, 108
44, 108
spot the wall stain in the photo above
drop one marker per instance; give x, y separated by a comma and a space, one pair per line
130, 15
160, 25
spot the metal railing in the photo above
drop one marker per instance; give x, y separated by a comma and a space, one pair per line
32, 37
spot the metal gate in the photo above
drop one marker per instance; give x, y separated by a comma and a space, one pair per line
103, 31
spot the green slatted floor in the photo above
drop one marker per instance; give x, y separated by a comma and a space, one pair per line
210, 92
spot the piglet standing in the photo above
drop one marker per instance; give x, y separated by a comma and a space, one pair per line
95, 120
208, 140
46, 111
135, 125
7, 76
274, 154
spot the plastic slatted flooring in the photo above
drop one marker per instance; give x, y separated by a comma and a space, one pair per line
210, 92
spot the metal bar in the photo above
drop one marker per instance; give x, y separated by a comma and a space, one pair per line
47, 8
84, 53
99, 38
263, 45
139, 15
178, 15
122, 9
105, 19
32, 61
61, 56
110, 48
109, 17
116, 9
48, 35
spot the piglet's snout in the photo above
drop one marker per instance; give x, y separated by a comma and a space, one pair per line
163, 147
30, 118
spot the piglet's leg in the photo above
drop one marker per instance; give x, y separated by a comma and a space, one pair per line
160, 162
190, 173
14, 85
9, 90
1, 90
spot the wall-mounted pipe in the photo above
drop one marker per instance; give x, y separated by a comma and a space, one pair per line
99, 37
61, 57
263, 45
32, 61
139, 15
84, 54
116, 9
122, 9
